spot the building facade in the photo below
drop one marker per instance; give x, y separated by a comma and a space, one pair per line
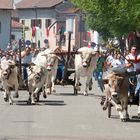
5, 23
47, 21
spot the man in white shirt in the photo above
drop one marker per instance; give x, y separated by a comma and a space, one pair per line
131, 60
110, 59
26, 56
132, 64
117, 61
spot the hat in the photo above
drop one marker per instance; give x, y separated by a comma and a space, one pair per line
28, 46
93, 44
96, 49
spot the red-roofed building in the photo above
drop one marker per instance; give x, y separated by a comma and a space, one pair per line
46, 19
17, 29
42, 19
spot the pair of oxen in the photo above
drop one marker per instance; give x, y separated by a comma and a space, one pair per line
42, 73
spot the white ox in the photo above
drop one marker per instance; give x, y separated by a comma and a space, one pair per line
36, 81
85, 63
48, 60
116, 91
9, 79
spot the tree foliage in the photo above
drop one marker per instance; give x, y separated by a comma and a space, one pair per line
111, 17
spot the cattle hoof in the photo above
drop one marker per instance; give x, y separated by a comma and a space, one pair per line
104, 108
11, 103
54, 91
127, 116
44, 95
90, 88
78, 88
29, 101
102, 102
119, 109
36, 98
85, 93
138, 114
124, 119
48, 93
33, 103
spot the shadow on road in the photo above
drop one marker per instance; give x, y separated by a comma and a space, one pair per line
64, 94
42, 102
72, 94
133, 119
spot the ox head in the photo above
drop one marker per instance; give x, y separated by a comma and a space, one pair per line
114, 82
7, 67
38, 73
86, 55
52, 60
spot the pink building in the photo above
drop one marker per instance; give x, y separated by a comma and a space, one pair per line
47, 21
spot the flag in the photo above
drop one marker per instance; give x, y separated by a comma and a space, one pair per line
47, 31
33, 31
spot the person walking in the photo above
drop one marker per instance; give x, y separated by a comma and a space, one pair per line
98, 73
132, 63
26, 56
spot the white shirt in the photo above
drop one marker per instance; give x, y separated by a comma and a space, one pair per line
109, 58
128, 57
117, 62
27, 59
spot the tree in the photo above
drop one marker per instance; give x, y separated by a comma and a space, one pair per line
111, 17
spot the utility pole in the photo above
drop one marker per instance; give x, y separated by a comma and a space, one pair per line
80, 33
68, 57
36, 23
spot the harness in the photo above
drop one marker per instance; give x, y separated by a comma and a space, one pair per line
50, 64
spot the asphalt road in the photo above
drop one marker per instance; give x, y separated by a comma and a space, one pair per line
64, 116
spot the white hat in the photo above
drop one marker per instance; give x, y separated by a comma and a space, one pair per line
96, 49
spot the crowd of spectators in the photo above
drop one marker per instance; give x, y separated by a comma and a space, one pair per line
114, 59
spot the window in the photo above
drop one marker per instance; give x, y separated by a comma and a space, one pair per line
23, 22
32, 23
36, 22
48, 23
39, 23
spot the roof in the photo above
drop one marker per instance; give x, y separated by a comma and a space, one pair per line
72, 10
6, 4
37, 3
16, 24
